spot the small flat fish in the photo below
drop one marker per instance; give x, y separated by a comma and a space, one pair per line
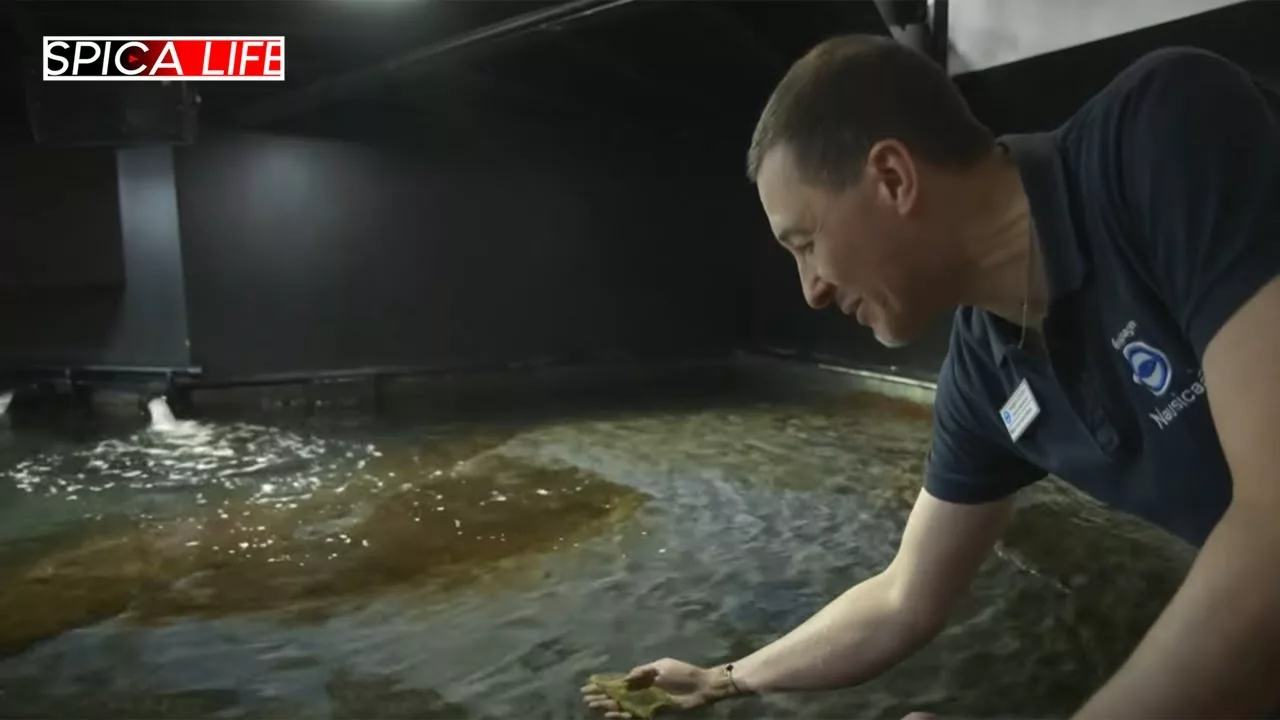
641, 703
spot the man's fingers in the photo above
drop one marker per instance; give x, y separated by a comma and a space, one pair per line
618, 715
606, 705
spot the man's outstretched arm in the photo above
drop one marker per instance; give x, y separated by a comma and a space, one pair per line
884, 619
860, 634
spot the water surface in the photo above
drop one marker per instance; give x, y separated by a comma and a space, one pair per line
353, 566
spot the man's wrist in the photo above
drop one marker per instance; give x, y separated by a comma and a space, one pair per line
725, 683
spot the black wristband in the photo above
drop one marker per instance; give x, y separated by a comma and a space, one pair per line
728, 670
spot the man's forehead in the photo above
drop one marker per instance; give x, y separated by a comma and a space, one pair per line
778, 169
786, 199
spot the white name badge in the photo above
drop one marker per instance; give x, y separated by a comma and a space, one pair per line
1019, 411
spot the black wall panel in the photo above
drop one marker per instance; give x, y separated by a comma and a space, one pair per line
61, 253
92, 261
306, 255
59, 218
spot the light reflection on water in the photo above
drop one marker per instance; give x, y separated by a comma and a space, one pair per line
376, 571
188, 455
149, 473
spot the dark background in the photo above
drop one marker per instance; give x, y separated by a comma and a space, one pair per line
574, 194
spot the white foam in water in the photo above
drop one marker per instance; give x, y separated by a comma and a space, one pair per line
5, 398
161, 416
163, 422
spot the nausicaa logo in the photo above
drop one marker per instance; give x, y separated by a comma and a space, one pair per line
1150, 367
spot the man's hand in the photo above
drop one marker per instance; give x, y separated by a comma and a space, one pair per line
689, 686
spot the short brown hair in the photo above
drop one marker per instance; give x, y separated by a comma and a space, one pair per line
852, 91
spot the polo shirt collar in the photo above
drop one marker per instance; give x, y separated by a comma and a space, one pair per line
1044, 180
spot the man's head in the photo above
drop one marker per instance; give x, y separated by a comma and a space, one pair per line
856, 157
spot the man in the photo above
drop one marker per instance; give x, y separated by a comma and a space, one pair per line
1118, 326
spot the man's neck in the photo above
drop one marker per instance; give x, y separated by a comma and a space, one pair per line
1003, 267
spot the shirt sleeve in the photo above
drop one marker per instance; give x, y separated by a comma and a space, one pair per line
967, 464
1198, 143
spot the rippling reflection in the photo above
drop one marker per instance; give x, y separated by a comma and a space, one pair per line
189, 455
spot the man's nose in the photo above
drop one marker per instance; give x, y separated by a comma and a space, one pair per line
817, 292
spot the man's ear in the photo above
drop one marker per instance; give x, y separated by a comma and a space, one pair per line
892, 169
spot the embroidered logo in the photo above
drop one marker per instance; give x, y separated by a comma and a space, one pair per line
1150, 367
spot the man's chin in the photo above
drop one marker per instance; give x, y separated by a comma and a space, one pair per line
893, 343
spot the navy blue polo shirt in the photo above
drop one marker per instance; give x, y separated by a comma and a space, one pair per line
1157, 212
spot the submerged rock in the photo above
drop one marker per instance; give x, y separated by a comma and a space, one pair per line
445, 525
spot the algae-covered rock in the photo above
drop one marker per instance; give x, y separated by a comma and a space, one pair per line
639, 703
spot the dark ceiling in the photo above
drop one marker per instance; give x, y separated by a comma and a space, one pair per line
658, 67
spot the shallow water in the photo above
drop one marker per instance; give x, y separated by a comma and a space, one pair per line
353, 567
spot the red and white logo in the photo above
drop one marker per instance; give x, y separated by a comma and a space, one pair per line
163, 58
